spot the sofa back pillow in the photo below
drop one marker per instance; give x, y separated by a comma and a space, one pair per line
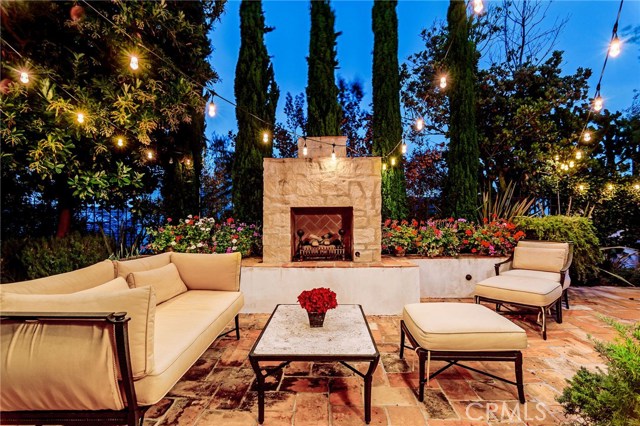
69, 282
125, 267
139, 304
209, 271
116, 284
165, 281
538, 259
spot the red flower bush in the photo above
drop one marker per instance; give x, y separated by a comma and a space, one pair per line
318, 300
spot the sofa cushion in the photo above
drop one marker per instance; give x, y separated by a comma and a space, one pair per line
69, 282
461, 327
521, 290
116, 284
539, 259
125, 267
185, 327
139, 304
165, 281
209, 271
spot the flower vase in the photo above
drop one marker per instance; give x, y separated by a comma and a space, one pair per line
316, 319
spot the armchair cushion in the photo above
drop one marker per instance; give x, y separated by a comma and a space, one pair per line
209, 271
165, 281
550, 276
139, 304
539, 259
546, 244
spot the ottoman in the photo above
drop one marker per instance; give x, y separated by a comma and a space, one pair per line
455, 332
524, 291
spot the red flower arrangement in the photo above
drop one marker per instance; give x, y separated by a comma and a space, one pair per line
318, 300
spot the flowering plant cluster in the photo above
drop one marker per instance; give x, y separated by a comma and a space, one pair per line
318, 300
450, 237
203, 235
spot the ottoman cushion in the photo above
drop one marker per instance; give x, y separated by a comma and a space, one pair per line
463, 327
517, 289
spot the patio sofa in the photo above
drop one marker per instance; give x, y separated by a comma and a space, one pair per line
103, 343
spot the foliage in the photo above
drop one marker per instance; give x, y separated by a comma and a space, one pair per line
387, 122
425, 173
203, 235
503, 205
216, 188
324, 114
438, 238
609, 398
318, 300
495, 237
579, 230
284, 137
398, 236
33, 258
463, 164
356, 120
256, 96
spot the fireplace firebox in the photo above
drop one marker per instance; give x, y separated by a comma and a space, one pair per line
321, 233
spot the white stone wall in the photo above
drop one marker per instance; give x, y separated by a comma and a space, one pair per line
322, 182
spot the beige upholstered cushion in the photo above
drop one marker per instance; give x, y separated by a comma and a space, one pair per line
539, 259
125, 267
463, 327
116, 284
165, 281
209, 271
546, 244
53, 365
68, 282
185, 327
522, 290
139, 304
526, 273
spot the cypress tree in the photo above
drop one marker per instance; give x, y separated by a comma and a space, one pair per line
323, 110
256, 95
461, 191
387, 124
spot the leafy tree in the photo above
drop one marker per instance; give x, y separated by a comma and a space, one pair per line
323, 111
78, 63
256, 96
426, 173
463, 158
356, 120
387, 122
285, 137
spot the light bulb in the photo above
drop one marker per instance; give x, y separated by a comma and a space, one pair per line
610, 187
615, 46
333, 152
572, 164
404, 148
384, 166
150, 155
419, 124
80, 118
265, 137
171, 160
598, 103
587, 136
636, 186
305, 151
393, 161
187, 162
443, 82
478, 6
557, 157
133, 63
581, 187
120, 142
24, 77
212, 109
578, 155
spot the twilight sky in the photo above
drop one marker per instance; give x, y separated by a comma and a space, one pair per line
584, 41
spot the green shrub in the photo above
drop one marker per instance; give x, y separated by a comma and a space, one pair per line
580, 230
42, 257
610, 398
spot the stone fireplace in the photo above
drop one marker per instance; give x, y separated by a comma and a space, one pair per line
321, 196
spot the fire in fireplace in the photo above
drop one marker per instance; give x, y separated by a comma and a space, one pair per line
321, 233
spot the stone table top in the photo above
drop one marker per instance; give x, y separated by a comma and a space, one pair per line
345, 333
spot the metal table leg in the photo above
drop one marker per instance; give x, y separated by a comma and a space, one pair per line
260, 387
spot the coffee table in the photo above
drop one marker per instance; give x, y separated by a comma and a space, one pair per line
345, 337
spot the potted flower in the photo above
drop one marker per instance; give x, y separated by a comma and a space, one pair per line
317, 302
398, 238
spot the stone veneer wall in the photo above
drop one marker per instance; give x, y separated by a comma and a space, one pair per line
321, 182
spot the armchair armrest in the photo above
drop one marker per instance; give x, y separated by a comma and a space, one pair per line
567, 264
497, 265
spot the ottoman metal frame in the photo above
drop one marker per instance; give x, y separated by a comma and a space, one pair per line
454, 358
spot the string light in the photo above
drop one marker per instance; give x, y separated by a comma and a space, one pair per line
212, 109
557, 157
393, 161
578, 155
598, 103
333, 152
187, 162
587, 136
636, 186
443, 82
265, 137
150, 155
610, 187
478, 6
133, 63
120, 142
305, 151
419, 124
572, 164
615, 47
24, 77
581, 187
80, 118
404, 148
384, 166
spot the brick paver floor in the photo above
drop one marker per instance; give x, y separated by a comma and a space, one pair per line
219, 388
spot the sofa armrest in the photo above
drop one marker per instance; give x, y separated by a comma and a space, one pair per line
83, 373
209, 271
497, 265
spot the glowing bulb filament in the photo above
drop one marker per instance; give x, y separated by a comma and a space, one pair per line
134, 62
384, 166
419, 124
393, 161
443, 82
478, 6
80, 118
333, 152
581, 187
572, 164
610, 187
24, 77
265, 137
598, 103
150, 155
305, 151
636, 186
404, 148
120, 142
587, 136
578, 155
615, 47
557, 157
212, 109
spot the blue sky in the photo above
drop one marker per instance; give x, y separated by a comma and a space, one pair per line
584, 41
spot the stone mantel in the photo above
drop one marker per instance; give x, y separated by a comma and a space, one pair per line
322, 182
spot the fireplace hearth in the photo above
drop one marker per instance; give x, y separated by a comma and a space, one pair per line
321, 233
